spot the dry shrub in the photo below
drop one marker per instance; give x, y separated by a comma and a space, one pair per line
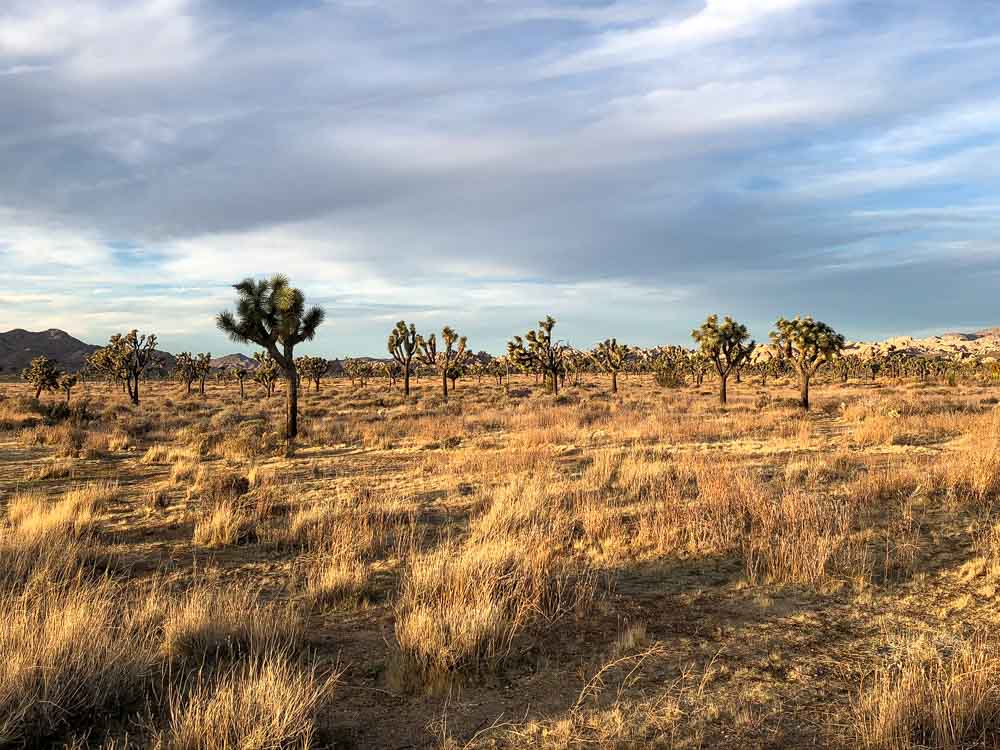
69, 652
56, 468
72, 516
934, 699
184, 470
225, 524
214, 484
248, 441
268, 703
338, 579
461, 607
211, 621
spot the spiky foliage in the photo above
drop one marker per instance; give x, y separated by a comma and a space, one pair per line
130, 354
725, 346
447, 362
272, 314
239, 374
537, 352
185, 369
267, 372
203, 367
808, 344
611, 357
392, 370
43, 374
67, 383
668, 364
359, 371
403, 347
312, 368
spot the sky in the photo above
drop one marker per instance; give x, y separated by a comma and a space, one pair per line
627, 167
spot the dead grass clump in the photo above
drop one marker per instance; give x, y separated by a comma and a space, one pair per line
934, 699
265, 704
69, 653
338, 580
211, 622
225, 524
56, 468
73, 516
216, 485
248, 441
461, 607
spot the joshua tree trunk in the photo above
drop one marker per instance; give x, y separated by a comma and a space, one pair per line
292, 406
241, 390
722, 387
38, 393
804, 391
406, 380
444, 384
614, 381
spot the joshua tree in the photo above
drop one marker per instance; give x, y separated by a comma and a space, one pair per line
403, 347
540, 354
266, 373
448, 359
42, 374
127, 356
312, 368
272, 314
67, 383
358, 370
725, 346
203, 366
240, 374
611, 357
809, 344
186, 369
392, 370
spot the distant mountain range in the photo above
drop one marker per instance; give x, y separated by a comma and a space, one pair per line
19, 347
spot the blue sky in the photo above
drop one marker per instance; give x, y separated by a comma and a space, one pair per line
627, 167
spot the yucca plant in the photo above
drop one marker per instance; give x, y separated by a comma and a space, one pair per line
725, 346
403, 347
272, 314
449, 360
537, 352
312, 368
809, 344
611, 357
43, 374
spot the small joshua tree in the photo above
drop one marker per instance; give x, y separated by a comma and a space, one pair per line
203, 367
272, 314
186, 369
312, 368
392, 370
266, 374
67, 383
42, 374
240, 375
448, 360
611, 357
359, 371
808, 344
536, 352
725, 346
403, 347
129, 356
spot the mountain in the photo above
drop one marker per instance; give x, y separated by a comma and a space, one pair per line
241, 361
19, 347
984, 344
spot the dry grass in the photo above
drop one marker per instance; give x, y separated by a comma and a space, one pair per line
505, 570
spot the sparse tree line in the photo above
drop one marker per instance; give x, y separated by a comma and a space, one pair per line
272, 314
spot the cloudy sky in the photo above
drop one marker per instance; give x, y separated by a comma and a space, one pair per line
627, 167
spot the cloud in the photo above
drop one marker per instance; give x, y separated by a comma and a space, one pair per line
628, 166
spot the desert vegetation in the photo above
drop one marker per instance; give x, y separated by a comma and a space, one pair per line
730, 546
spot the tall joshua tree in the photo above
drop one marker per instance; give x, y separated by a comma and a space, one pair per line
450, 358
272, 314
808, 344
537, 352
203, 367
403, 347
725, 346
42, 374
186, 369
130, 354
67, 383
611, 357
266, 372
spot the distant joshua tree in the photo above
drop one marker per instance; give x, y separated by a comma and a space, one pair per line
43, 374
611, 357
128, 356
67, 383
203, 367
186, 369
449, 360
809, 344
359, 371
725, 346
536, 352
266, 374
312, 369
240, 375
272, 314
403, 347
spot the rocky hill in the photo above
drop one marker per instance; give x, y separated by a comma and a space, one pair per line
984, 344
19, 347
240, 361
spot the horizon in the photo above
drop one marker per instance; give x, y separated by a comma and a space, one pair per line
626, 167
